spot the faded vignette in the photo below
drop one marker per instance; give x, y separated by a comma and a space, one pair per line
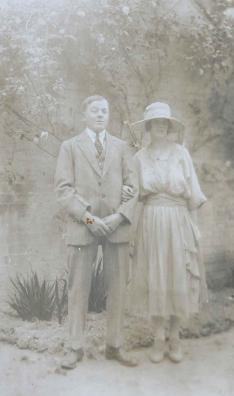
132, 52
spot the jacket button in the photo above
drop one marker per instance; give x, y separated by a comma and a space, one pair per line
99, 183
103, 195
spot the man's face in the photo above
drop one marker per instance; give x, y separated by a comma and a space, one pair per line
97, 115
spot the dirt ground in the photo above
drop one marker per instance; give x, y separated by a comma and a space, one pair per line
207, 370
30, 356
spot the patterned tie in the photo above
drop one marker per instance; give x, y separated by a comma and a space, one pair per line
99, 148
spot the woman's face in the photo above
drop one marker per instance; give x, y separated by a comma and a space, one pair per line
159, 129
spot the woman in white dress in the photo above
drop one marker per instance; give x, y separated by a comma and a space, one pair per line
168, 265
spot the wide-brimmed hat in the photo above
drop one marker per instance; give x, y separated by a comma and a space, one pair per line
159, 110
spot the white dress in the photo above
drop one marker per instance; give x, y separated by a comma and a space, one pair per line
167, 267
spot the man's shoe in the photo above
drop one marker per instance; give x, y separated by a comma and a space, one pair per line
72, 358
121, 356
175, 350
158, 352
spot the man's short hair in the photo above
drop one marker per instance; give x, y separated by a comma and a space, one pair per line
91, 99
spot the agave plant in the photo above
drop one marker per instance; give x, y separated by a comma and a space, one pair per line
32, 298
61, 298
97, 297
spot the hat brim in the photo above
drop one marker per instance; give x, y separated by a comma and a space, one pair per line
177, 126
174, 122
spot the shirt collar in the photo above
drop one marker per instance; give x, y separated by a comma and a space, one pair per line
92, 135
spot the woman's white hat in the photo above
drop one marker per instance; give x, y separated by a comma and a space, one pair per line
159, 110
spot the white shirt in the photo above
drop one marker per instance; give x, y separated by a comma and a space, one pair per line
92, 135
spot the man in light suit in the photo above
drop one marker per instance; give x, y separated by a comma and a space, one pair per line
92, 169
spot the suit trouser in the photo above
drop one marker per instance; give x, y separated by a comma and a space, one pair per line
115, 266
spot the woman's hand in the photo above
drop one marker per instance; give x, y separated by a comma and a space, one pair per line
127, 193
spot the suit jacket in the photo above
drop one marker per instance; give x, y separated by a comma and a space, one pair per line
81, 186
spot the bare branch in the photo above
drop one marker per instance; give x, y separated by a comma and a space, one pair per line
39, 147
28, 122
208, 139
136, 71
43, 104
204, 11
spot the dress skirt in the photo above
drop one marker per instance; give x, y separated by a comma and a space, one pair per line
166, 271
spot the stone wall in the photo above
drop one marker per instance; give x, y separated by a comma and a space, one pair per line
31, 233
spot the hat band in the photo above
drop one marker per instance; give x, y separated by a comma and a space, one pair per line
157, 115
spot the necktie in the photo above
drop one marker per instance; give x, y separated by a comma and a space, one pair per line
98, 145
99, 148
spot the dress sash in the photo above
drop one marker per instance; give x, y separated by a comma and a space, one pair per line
162, 199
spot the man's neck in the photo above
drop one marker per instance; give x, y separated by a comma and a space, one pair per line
94, 135
97, 132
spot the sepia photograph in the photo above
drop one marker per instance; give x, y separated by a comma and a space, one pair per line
117, 197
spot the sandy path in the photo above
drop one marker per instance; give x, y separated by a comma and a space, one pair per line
208, 370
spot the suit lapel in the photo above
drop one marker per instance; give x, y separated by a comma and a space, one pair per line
110, 149
88, 149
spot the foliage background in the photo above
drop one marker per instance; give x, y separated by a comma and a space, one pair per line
53, 54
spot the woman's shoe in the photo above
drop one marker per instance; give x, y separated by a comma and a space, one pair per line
158, 352
175, 350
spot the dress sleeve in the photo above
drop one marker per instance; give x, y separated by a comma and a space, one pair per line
127, 209
196, 197
137, 167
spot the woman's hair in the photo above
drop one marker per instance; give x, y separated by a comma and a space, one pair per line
148, 126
